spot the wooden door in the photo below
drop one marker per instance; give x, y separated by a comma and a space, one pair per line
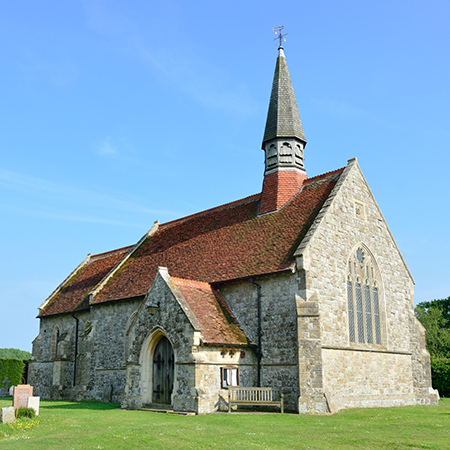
163, 369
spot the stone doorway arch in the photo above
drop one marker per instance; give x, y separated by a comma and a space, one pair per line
157, 368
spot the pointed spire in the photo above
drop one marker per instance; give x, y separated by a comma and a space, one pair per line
283, 118
283, 143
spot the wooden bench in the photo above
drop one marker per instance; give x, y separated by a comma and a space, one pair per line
253, 396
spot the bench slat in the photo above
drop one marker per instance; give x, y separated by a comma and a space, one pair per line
253, 396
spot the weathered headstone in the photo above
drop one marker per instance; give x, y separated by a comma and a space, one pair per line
33, 402
21, 394
8, 415
2, 392
11, 391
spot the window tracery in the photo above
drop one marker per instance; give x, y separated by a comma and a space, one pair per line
363, 298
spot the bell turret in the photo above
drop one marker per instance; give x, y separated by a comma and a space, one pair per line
283, 142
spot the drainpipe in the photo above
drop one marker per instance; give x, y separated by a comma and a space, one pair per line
258, 350
76, 351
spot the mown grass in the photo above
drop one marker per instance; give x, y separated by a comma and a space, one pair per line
91, 425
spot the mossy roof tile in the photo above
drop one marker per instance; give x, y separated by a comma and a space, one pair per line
224, 243
73, 295
219, 326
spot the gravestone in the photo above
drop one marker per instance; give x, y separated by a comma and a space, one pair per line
21, 394
33, 402
11, 391
8, 415
2, 392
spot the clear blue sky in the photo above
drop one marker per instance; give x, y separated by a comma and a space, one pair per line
115, 114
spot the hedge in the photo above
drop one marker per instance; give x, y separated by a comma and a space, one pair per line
13, 369
440, 374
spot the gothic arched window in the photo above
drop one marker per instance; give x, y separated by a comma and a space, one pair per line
363, 297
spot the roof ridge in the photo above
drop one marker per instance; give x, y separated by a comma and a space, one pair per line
111, 252
211, 210
323, 175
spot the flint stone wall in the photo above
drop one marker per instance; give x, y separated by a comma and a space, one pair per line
104, 349
51, 375
279, 340
197, 378
169, 321
100, 367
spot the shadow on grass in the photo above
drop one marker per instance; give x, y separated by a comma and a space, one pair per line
94, 406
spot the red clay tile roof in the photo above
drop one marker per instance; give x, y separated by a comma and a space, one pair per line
219, 326
224, 243
73, 295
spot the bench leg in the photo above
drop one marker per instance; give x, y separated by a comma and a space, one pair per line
282, 399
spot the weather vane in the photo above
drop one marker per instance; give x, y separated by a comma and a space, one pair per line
280, 36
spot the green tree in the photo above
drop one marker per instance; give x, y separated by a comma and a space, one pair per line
435, 317
14, 353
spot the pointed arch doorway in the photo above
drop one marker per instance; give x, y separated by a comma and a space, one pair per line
163, 372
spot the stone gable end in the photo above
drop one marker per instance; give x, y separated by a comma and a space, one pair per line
340, 229
349, 220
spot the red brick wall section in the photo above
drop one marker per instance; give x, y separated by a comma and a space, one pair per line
278, 188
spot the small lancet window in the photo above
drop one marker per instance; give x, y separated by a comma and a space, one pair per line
363, 299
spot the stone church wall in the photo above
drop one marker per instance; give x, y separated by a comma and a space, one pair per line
100, 368
368, 379
197, 373
279, 362
52, 363
340, 231
209, 362
349, 219
170, 321
106, 343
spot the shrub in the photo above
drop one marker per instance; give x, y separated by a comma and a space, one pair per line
25, 412
13, 369
440, 374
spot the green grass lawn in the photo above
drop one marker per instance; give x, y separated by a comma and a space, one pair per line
91, 425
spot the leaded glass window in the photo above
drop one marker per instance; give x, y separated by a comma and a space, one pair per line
363, 299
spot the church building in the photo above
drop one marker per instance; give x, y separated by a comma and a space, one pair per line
300, 287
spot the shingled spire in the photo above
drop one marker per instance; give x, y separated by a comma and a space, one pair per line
283, 143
